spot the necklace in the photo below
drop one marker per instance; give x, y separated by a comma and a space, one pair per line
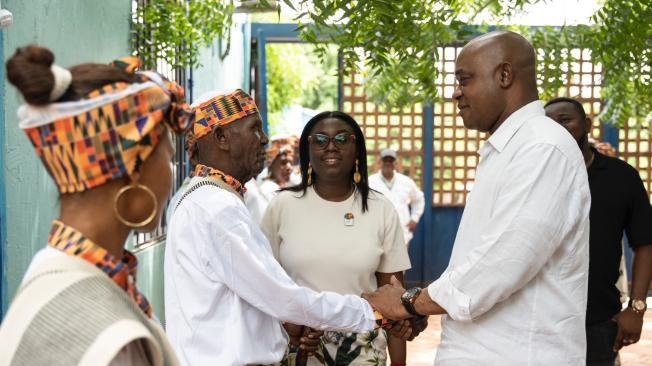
588, 164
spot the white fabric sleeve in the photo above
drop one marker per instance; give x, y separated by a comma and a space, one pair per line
395, 256
417, 202
539, 203
254, 275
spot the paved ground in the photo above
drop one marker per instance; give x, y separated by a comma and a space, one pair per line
421, 352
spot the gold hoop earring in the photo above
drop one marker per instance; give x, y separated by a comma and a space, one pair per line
356, 176
128, 223
309, 173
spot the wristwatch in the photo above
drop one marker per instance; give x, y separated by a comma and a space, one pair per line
409, 297
638, 306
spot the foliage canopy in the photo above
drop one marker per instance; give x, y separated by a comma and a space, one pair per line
397, 42
174, 31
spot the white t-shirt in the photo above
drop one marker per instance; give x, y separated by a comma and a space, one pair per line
255, 201
309, 238
269, 189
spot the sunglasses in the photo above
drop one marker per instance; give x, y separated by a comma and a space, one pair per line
340, 140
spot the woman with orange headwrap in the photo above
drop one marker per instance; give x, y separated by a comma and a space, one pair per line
279, 167
102, 133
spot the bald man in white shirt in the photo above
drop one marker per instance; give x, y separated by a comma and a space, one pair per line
515, 290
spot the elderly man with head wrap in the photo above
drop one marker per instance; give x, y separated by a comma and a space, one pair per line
225, 295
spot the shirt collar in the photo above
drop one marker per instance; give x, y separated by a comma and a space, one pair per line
500, 138
385, 180
123, 271
212, 173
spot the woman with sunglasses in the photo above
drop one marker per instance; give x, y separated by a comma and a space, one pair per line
332, 233
102, 133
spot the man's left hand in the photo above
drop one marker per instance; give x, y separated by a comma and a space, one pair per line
630, 325
411, 225
387, 300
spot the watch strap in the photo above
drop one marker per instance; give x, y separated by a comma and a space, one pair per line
409, 303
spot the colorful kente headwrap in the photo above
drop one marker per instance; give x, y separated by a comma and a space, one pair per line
122, 272
108, 134
274, 150
208, 172
218, 110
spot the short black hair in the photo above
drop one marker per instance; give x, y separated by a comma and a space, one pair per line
578, 106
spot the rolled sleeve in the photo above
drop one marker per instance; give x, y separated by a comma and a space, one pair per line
395, 256
455, 302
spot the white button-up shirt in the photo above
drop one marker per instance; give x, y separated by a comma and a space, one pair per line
516, 285
226, 295
404, 194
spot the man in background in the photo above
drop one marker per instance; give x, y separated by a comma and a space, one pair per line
620, 204
400, 190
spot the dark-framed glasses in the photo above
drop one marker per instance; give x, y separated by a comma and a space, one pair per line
321, 141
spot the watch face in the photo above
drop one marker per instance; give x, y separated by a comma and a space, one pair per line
406, 296
410, 293
639, 305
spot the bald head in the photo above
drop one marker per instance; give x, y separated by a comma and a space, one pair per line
505, 46
496, 74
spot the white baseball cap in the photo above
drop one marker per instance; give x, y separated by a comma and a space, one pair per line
387, 153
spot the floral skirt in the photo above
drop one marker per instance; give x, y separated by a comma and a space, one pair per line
345, 349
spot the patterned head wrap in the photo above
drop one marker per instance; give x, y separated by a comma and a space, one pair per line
275, 150
109, 133
219, 110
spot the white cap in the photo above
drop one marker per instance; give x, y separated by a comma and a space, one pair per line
387, 153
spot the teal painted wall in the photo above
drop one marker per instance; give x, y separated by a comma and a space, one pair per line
150, 277
219, 72
79, 31
76, 31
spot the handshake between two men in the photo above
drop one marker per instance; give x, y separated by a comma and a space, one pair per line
394, 307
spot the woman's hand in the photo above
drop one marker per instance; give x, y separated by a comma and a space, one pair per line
310, 340
295, 333
401, 329
419, 324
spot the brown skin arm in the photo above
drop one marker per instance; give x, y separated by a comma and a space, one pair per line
396, 344
424, 305
387, 300
411, 225
630, 324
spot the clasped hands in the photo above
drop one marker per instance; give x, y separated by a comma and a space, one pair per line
386, 300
